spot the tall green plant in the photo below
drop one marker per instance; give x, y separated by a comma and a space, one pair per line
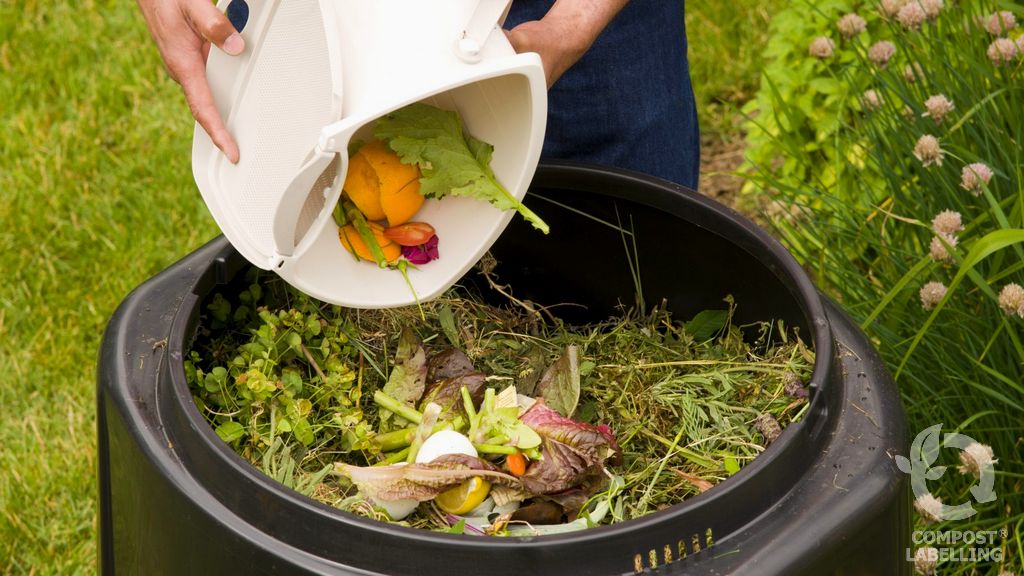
924, 241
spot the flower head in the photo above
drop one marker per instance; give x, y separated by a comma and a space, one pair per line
947, 222
937, 107
1002, 50
925, 560
931, 8
937, 249
851, 25
423, 253
975, 458
931, 294
928, 151
911, 15
1011, 299
890, 8
929, 507
821, 48
871, 100
999, 22
881, 52
974, 177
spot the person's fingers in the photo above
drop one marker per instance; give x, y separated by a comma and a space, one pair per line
214, 26
200, 102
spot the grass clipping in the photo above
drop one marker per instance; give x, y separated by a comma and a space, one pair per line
288, 382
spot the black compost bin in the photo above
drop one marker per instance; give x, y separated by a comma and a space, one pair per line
825, 498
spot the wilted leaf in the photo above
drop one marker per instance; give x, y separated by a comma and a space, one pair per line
420, 481
539, 513
409, 375
596, 442
450, 363
560, 384
448, 393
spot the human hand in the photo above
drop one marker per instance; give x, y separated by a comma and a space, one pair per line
565, 33
547, 39
183, 31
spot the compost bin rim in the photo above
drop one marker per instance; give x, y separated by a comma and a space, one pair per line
566, 175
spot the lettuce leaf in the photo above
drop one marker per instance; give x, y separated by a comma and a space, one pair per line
451, 162
420, 481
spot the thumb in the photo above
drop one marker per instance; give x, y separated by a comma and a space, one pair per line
214, 26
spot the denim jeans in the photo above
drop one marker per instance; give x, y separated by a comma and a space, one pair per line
628, 102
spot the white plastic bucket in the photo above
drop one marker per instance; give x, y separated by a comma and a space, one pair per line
314, 77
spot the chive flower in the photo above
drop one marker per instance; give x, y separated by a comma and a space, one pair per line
974, 177
975, 458
931, 8
890, 8
925, 560
881, 52
1002, 50
928, 151
1011, 299
821, 48
999, 22
929, 507
931, 294
937, 249
871, 100
911, 15
937, 107
947, 222
851, 25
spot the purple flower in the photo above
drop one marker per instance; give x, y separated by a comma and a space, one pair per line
423, 253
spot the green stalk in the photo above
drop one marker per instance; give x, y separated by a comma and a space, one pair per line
363, 228
389, 403
396, 439
495, 449
395, 458
467, 403
423, 431
533, 454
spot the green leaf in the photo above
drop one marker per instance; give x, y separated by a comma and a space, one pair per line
731, 465
706, 324
408, 377
560, 384
450, 162
458, 528
303, 431
230, 431
446, 318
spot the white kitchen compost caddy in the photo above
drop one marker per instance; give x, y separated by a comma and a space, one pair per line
314, 76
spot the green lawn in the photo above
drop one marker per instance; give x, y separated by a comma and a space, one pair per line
97, 195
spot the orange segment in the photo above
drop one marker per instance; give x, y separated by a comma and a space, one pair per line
399, 188
353, 242
363, 186
402, 204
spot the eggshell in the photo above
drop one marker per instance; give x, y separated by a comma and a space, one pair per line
444, 442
